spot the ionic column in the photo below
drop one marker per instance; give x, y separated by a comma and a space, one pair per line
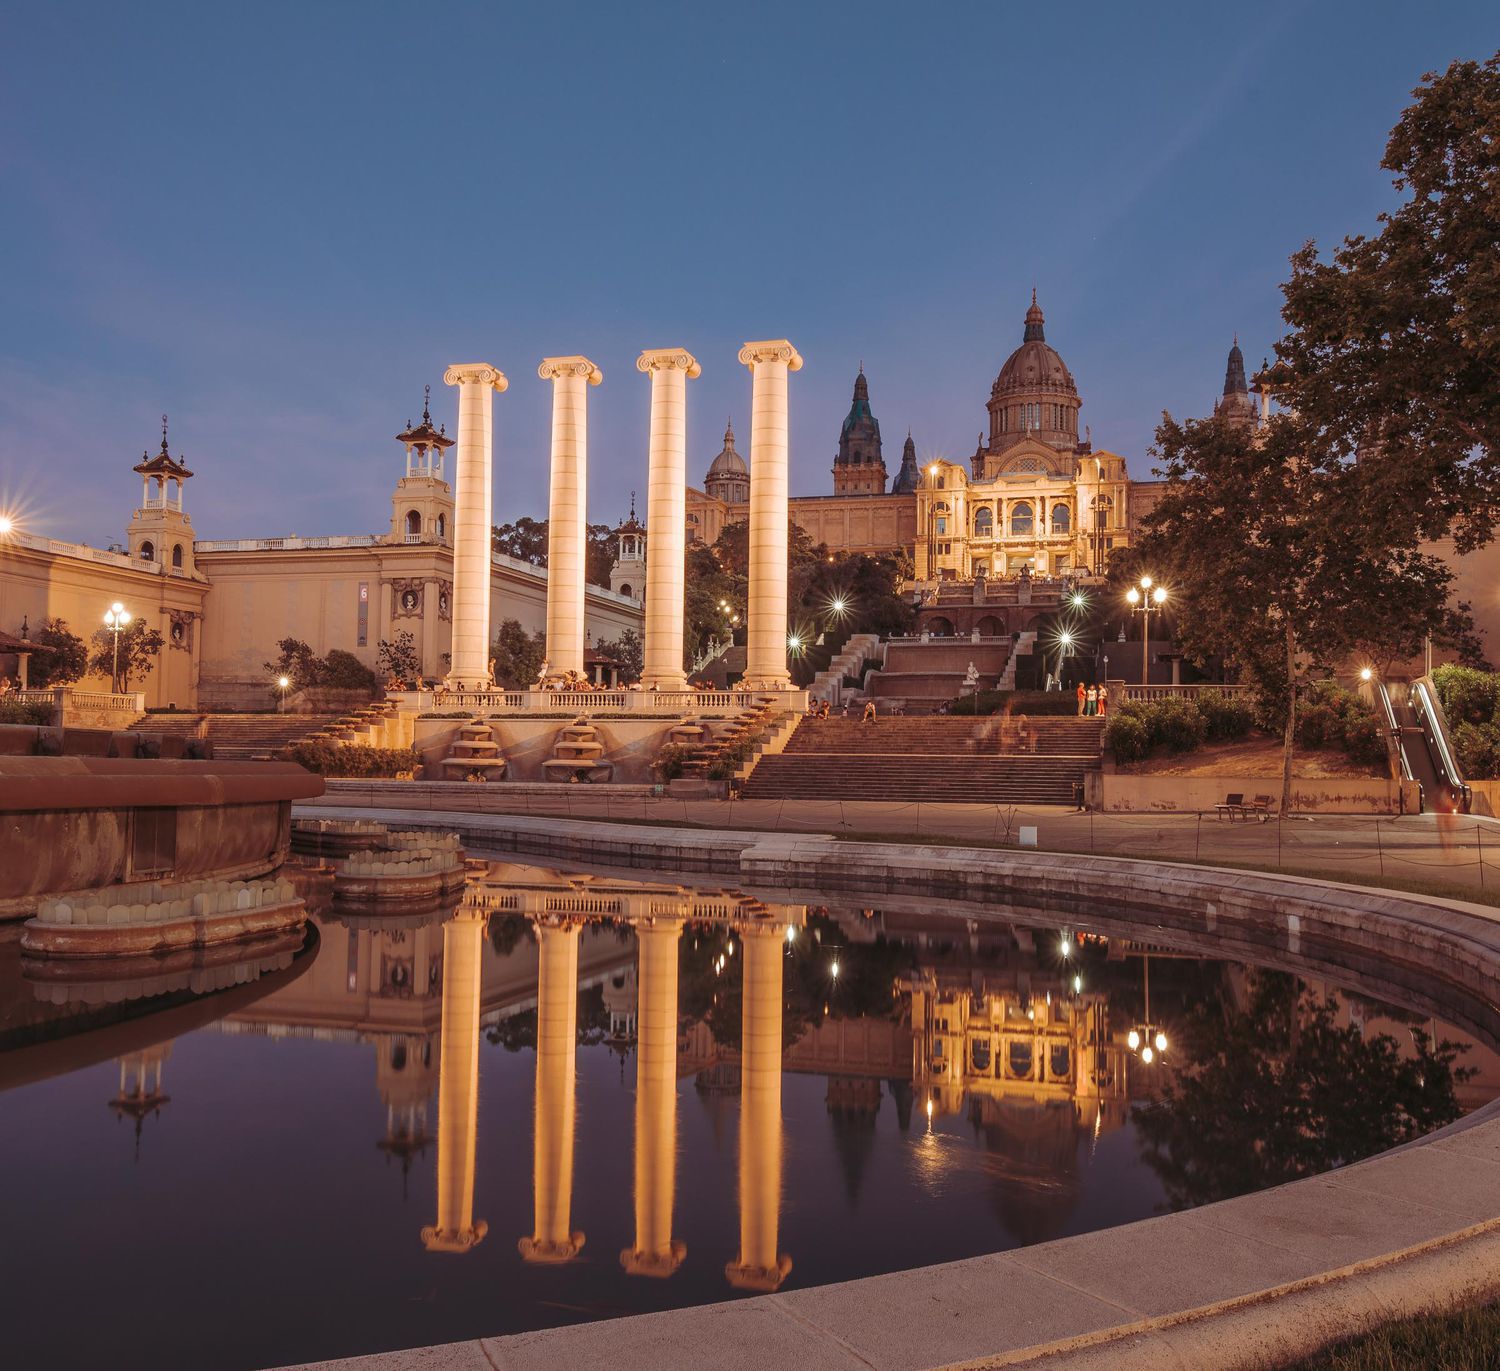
556, 1049
567, 527
769, 362
472, 516
666, 516
656, 1252
458, 1086
759, 1265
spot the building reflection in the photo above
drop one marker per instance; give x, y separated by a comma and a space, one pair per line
140, 1095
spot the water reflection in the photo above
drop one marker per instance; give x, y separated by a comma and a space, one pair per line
520, 1039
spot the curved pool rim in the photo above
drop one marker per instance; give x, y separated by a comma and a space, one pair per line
1256, 1280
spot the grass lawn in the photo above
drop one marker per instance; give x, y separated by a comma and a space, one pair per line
1257, 755
1468, 1340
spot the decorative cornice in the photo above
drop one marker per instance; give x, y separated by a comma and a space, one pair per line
475, 373
668, 359
552, 368
772, 350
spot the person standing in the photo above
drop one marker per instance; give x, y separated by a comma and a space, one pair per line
1091, 705
1083, 695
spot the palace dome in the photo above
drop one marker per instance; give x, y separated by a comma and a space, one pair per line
1034, 366
728, 462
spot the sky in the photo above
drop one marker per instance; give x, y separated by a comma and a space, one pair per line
277, 222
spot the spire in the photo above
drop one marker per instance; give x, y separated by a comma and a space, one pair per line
164, 451
1034, 320
861, 386
1234, 373
426, 404
729, 432
632, 506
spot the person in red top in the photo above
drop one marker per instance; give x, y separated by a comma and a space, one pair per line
1082, 696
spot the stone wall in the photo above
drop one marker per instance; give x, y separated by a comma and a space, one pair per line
1148, 794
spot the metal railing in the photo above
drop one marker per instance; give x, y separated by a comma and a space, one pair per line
1182, 692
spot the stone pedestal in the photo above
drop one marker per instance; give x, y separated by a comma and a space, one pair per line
472, 519
552, 1240
567, 529
656, 1252
458, 1086
666, 516
769, 363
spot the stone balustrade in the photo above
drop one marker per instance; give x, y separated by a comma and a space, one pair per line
168, 902
421, 861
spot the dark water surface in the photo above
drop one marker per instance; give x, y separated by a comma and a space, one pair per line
576, 1097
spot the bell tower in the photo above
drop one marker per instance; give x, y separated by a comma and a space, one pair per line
160, 530
628, 575
422, 505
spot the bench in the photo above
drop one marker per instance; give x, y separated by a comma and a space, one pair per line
1233, 805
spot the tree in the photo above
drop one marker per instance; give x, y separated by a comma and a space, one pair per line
66, 663
1265, 543
1279, 1089
336, 670
517, 655
629, 651
139, 646
295, 661
401, 659
526, 540
1393, 358
709, 587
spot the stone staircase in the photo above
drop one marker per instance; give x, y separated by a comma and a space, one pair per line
1025, 644
578, 754
711, 747
475, 755
236, 737
936, 758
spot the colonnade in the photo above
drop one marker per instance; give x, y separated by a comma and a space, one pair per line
670, 369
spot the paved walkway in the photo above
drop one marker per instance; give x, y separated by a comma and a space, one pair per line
1458, 851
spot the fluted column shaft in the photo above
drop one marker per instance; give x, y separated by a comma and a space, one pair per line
769, 363
759, 1265
469, 663
666, 516
567, 516
556, 1053
458, 1086
655, 1253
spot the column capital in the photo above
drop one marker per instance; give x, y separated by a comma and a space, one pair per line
554, 367
668, 359
772, 350
480, 373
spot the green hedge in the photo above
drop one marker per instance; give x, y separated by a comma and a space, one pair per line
354, 760
1471, 700
24, 712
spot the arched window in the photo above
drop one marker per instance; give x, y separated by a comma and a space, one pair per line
1103, 512
940, 517
413, 525
1062, 520
984, 522
1021, 518
442, 526
625, 589
177, 554
148, 552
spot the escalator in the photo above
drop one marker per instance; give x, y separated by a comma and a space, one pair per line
1415, 720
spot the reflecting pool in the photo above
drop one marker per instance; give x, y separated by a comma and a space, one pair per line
569, 1096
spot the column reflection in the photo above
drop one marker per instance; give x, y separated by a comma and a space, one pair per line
458, 1085
656, 1252
556, 1052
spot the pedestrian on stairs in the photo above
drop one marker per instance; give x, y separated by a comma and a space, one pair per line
1082, 698
869, 717
1103, 700
1091, 706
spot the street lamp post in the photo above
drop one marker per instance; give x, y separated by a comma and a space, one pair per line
932, 485
282, 682
116, 619
1144, 597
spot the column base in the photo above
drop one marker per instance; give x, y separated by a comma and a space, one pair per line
658, 1264
550, 1253
763, 1278
454, 1239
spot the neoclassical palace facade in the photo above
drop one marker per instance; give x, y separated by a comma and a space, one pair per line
221, 605
1034, 496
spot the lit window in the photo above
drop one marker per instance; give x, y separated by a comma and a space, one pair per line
1021, 519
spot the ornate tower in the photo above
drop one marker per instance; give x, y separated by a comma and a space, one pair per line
1033, 396
859, 468
160, 530
909, 477
422, 506
628, 575
1236, 406
728, 476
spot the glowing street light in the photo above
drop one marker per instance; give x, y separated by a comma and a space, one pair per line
116, 619
7, 525
1365, 673
282, 682
833, 968
1143, 598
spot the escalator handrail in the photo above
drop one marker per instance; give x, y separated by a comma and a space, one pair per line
1425, 701
1395, 729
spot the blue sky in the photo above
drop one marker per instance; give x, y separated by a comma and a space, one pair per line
277, 222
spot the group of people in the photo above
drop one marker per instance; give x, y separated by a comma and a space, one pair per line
1092, 701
